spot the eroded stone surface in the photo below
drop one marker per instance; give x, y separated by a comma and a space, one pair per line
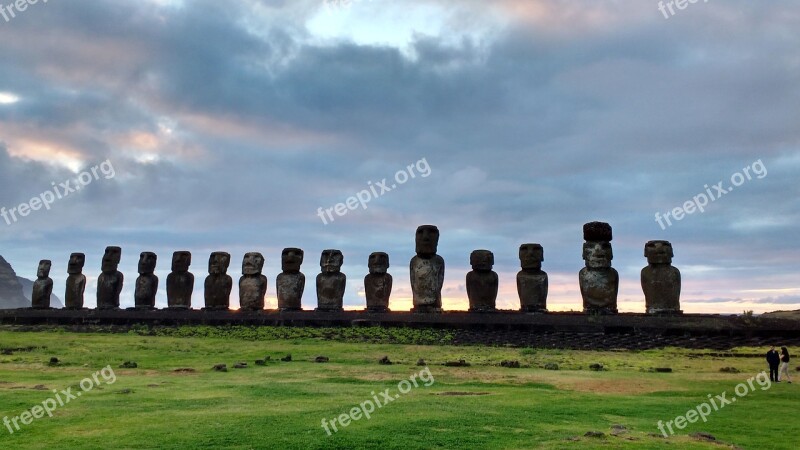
427, 271
291, 283
661, 282
180, 282
331, 283
76, 282
110, 281
378, 283
482, 282
252, 284
218, 284
532, 282
147, 283
42, 287
599, 282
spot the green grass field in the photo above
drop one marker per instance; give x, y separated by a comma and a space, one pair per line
162, 404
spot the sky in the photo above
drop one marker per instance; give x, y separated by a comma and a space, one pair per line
239, 125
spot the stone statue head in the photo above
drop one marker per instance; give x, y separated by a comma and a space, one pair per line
427, 240
218, 263
331, 261
531, 256
378, 263
147, 263
481, 260
111, 259
658, 252
44, 269
76, 262
252, 264
181, 261
291, 259
597, 254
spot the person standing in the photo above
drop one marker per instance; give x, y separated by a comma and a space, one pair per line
774, 360
784, 372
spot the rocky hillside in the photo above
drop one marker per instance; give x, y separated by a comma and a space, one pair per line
11, 295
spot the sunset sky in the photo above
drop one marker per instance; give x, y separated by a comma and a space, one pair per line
229, 124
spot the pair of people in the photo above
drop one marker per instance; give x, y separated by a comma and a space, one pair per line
778, 365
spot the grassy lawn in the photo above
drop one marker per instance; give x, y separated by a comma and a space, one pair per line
174, 400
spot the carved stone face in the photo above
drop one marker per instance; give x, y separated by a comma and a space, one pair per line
378, 263
597, 255
658, 252
111, 259
147, 262
218, 263
427, 240
76, 262
481, 260
291, 259
331, 261
181, 261
531, 256
252, 264
44, 268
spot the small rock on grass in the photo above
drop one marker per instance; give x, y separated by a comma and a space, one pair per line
240, 365
321, 359
551, 366
617, 430
459, 363
220, 368
595, 434
702, 436
128, 365
385, 361
597, 367
54, 361
286, 358
421, 362
510, 364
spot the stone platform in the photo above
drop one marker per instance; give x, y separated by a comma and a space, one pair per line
625, 323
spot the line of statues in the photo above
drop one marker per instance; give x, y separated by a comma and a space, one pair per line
599, 282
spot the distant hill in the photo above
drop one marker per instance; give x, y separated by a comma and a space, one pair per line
11, 295
27, 291
783, 315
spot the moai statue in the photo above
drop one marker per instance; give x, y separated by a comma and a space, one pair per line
144, 296
331, 282
76, 282
180, 283
378, 283
531, 280
599, 281
661, 282
252, 284
291, 283
427, 271
42, 287
218, 284
109, 283
482, 282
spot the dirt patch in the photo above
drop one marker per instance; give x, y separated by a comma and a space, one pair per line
454, 393
613, 386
